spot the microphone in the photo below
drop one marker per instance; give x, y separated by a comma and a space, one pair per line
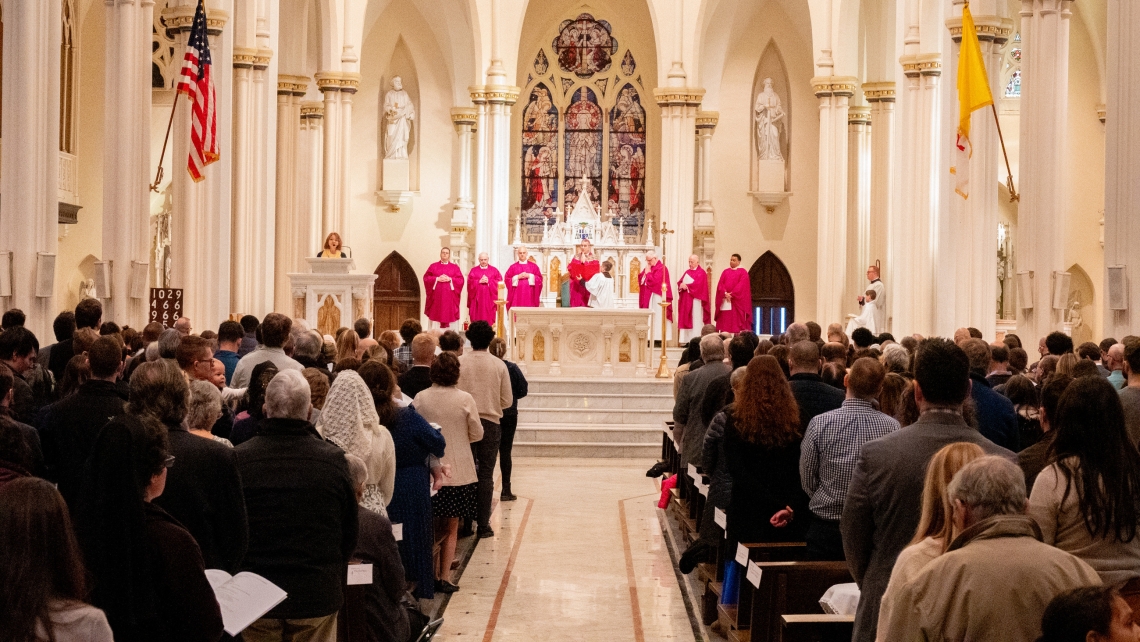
347, 250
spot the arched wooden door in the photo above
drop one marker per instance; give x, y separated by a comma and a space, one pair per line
773, 295
396, 295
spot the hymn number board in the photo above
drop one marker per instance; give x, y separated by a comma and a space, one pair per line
165, 306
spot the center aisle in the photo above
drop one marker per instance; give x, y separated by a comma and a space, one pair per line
580, 556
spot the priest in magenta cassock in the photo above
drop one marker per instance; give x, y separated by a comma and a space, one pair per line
734, 298
443, 283
482, 289
693, 307
649, 293
524, 282
582, 268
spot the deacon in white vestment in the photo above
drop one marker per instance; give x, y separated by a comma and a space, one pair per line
601, 288
880, 298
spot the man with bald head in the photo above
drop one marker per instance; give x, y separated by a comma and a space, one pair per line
813, 396
483, 290
183, 326
688, 427
1114, 361
524, 282
693, 305
653, 276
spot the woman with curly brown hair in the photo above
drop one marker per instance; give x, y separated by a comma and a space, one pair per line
762, 454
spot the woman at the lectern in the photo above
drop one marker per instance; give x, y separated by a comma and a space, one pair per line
332, 248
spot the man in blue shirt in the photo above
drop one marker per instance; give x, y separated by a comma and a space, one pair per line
230, 334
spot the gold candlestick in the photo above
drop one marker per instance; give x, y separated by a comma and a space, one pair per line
501, 307
663, 367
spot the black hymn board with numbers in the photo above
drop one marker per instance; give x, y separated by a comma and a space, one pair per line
165, 306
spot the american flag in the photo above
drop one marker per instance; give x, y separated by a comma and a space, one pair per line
199, 87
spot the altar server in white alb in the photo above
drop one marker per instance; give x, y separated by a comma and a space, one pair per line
866, 318
601, 287
880, 298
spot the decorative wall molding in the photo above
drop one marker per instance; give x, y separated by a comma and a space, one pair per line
926, 64
875, 92
834, 85
345, 81
686, 96
292, 85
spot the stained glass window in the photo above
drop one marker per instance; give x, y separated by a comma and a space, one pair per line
539, 156
627, 158
583, 147
584, 46
1011, 68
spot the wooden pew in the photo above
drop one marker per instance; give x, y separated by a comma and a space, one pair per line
351, 622
817, 628
736, 618
787, 588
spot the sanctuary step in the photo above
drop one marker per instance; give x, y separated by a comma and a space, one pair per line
617, 418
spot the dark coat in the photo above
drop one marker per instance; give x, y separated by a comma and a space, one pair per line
69, 429
997, 419
688, 429
204, 493
765, 480
302, 516
415, 381
814, 397
519, 388
376, 545
185, 604
61, 353
884, 502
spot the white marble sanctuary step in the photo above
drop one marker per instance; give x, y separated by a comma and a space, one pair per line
595, 418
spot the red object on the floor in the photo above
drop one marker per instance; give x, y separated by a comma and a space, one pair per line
666, 486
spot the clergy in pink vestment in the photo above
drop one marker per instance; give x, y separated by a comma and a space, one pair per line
693, 306
443, 283
524, 282
734, 298
649, 281
482, 290
583, 266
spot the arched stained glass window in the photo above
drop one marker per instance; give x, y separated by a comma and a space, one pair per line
627, 157
539, 156
583, 147
1011, 68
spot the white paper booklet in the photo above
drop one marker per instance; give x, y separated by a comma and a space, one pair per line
244, 597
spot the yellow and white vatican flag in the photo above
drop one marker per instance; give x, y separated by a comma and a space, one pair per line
973, 94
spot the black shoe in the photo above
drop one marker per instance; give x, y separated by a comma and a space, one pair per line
443, 586
507, 497
691, 557
466, 531
659, 469
484, 534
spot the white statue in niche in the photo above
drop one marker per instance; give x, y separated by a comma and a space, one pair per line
87, 289
768, 112
398, 116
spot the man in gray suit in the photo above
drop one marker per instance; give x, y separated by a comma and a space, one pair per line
884, 499
688, 428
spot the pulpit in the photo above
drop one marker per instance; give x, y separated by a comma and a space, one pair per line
581, 342
330, 296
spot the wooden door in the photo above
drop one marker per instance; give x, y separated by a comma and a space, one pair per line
773, 295
396, 295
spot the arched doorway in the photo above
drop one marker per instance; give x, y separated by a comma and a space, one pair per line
396, 295
773, 295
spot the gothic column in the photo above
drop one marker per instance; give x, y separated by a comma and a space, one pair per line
1044, 124
704, 215
126, 158
338, 88
462, 215
291, 242
493, 213
881, 97
909, 265
480, 216
967, 238
858, 201
309, 178
252, 277
1122, 165
679, 107
200, 240
831, 263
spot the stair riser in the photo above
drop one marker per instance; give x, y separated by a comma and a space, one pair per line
601, 387
648, 453
525, 435
597, 402
587, 417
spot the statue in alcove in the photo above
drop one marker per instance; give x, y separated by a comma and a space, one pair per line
398, 116
768, 112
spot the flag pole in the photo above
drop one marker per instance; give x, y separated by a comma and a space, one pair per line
1013, 195
162, 156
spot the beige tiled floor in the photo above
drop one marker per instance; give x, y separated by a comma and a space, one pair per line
570, 580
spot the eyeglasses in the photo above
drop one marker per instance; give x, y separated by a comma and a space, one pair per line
168, 462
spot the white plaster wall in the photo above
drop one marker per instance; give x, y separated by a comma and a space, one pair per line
742, 226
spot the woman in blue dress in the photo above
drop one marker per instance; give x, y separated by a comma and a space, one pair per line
415, 440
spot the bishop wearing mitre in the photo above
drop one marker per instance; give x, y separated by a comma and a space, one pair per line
443, 283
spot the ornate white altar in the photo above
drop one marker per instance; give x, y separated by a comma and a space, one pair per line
581, 342
330, 296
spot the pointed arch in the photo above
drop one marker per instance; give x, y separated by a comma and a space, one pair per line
68, 57
773, 295
772, 66
396, 294
1081, 308
401, 65
539, 156
626, 199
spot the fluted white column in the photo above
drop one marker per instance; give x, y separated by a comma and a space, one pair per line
1122, 165
679, 107
338, 88
881, 97
309, 178
909, 266
482, 191
1044, 158
493, 213
201, 240
704, 214
831, 262
462, 214
858, 202
126, 155
291, 239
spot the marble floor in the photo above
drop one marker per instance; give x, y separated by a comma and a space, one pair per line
580, 556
